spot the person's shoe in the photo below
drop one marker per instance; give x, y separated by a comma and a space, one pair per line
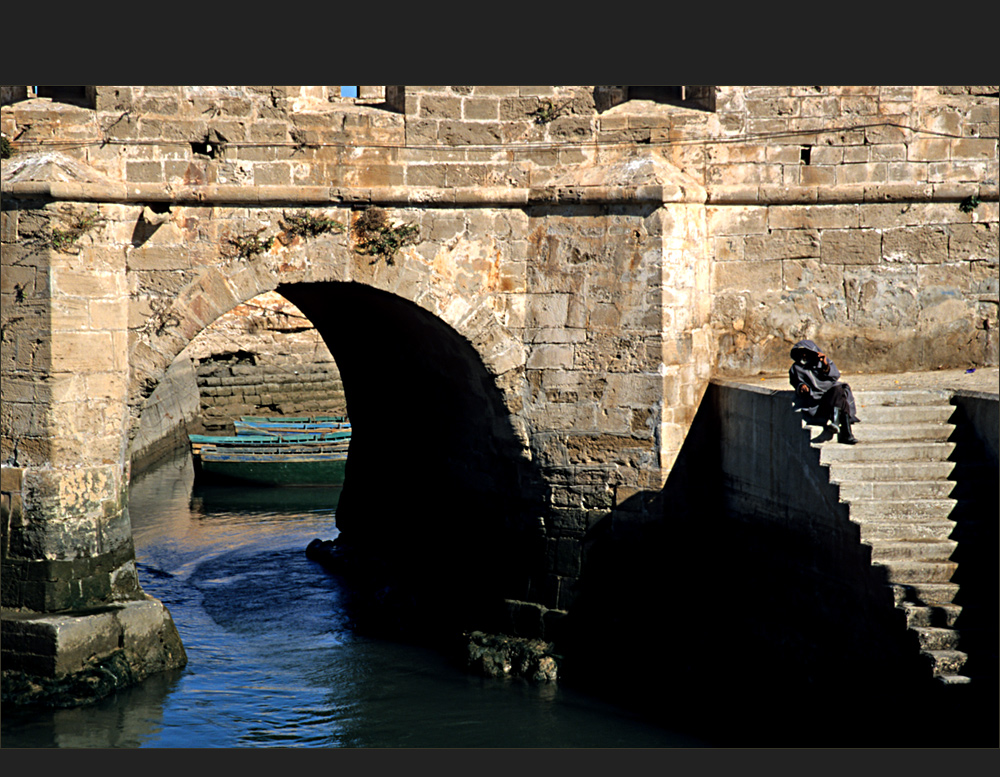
845, 435
835, 421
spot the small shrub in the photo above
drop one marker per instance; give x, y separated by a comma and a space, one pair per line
65, 239
307, 225
377, 237
547, 111
246, 246
969, 204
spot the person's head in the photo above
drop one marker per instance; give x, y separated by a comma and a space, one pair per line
804, 356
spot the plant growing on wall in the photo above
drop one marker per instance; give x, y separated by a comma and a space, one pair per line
246, 246
6, 148
377, 237
969, 204
547, 111
65, 239
308, 225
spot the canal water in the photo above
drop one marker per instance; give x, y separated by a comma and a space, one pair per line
272, 658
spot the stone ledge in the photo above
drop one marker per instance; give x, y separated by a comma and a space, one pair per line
277, 196
58, 647
856, 194
471, 196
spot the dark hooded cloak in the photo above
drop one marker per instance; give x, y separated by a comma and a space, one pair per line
819, 377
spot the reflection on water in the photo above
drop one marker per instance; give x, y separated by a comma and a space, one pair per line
272, 660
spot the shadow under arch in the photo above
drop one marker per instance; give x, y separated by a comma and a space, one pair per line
437, 515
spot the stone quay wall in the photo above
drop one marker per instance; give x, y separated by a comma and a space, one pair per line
263, 357
604, 251
169, 414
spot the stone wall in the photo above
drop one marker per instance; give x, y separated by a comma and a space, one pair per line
861, 217
263, 357
586, 259
170, 413
833, 211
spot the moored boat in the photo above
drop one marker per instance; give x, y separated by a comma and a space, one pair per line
286, 465
290, 424
275, 451
268, 439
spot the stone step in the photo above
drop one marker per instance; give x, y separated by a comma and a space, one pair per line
917, 572
851, 490
887, 451
946, 662
905, 414
925, 594
934, 638
901, 509
873, 433
845, 471
896, 398
904, 531
940, 615
912, 550
878, 433
953, 679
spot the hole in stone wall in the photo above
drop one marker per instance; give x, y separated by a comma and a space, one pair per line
205, 148
804, 154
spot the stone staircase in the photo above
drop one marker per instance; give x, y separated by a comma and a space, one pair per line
896, 483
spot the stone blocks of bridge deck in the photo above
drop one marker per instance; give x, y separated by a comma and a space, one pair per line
56, 646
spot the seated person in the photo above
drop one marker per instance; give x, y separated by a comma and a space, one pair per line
818, 392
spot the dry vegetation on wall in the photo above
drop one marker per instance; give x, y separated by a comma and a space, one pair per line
377, 236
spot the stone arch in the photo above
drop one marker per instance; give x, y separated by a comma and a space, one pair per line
220, 287
466, 463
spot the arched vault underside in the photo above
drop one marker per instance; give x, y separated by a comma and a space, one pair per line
437, 478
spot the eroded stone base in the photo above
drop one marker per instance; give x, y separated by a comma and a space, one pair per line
500, 655
70, 659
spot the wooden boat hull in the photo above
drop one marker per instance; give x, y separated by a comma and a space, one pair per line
279, 468
262, 441
276, 427
278, 451
295, 419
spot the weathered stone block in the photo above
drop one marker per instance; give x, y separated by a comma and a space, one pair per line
82, 352
974, 148
974, 242
784, 244
732, 276
921, 245
812, 216
841, 246
928, 150
550, 356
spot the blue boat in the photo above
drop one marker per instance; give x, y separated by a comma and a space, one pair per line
290, 424
275, 451
289, 465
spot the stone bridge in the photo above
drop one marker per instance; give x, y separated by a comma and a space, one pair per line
524, 337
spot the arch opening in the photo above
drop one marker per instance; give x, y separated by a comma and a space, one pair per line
437, 493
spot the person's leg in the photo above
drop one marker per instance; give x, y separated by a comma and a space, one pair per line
842, 401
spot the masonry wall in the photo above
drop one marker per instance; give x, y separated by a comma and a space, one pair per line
604, 256
263, 357
170, 413
861, 217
